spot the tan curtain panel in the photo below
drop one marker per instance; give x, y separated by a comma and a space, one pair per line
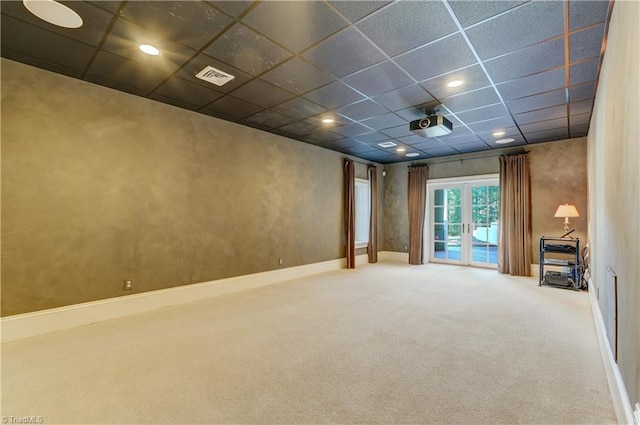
372, 248
514, 245
349, 213
417, 199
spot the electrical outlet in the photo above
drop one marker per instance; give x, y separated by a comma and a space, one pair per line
128, 285
280, 261
406, 248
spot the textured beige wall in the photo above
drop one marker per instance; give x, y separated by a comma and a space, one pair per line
558, 175
614, 183
99, 186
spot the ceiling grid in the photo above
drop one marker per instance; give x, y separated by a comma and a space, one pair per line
529, 68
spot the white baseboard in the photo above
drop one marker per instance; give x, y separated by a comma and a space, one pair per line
400, 257
621, 402
40, 322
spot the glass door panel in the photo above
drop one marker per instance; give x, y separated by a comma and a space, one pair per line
447, 223
464, 222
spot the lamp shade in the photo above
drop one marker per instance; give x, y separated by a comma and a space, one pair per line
567, 210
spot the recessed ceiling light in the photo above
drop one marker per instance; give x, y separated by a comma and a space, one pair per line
53, 12
412, 154
327, 120
388, 144
455, 83
504, 141
149, 49
401, 149
498, 133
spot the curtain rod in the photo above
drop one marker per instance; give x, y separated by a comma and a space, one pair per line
475, 157
363, 163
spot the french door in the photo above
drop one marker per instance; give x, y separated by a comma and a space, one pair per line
463, 221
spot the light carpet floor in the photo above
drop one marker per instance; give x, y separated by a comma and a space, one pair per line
386, 343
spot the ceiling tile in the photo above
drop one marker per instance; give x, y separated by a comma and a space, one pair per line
378, 79
437, 58
383, 121
520, 27
323, 136
116, 85
533, 84
471, 100
471, 147
125, 39
411, 114
234, 107
185, 91
509, 132
370, 138
297, 76
581, 92
483, 114
43, 48
579, 130
399, 131
344, 53
473, 78
585, 13
270, 119
110, 6
544, 125
405, 25
409, 96
295, 25
247, 50
429, 143
352, 129
232, 7
174, 102
559, 111
445, 150
527, 61
547, 135
344, 143
189, 71
262, 93
582, 107
94, 20
538, 101
491, 125
584, 71
299, 108
121, 70
472, 12
355, 150
300, 128
361, 110
334, 95
356, 10
586, 43
189, 23
579, 119
467, 138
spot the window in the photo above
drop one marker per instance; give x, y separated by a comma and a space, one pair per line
363, 212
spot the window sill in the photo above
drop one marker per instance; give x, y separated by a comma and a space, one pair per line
362, 245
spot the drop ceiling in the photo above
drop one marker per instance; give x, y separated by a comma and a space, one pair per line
529, 68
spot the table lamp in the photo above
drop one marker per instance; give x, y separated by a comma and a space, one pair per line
566, 211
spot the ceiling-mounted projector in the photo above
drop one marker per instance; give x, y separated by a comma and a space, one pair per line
431, 126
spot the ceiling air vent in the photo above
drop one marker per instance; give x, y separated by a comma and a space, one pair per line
387, 144
214, 76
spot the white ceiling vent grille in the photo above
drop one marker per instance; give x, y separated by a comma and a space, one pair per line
387, 144
214, 76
